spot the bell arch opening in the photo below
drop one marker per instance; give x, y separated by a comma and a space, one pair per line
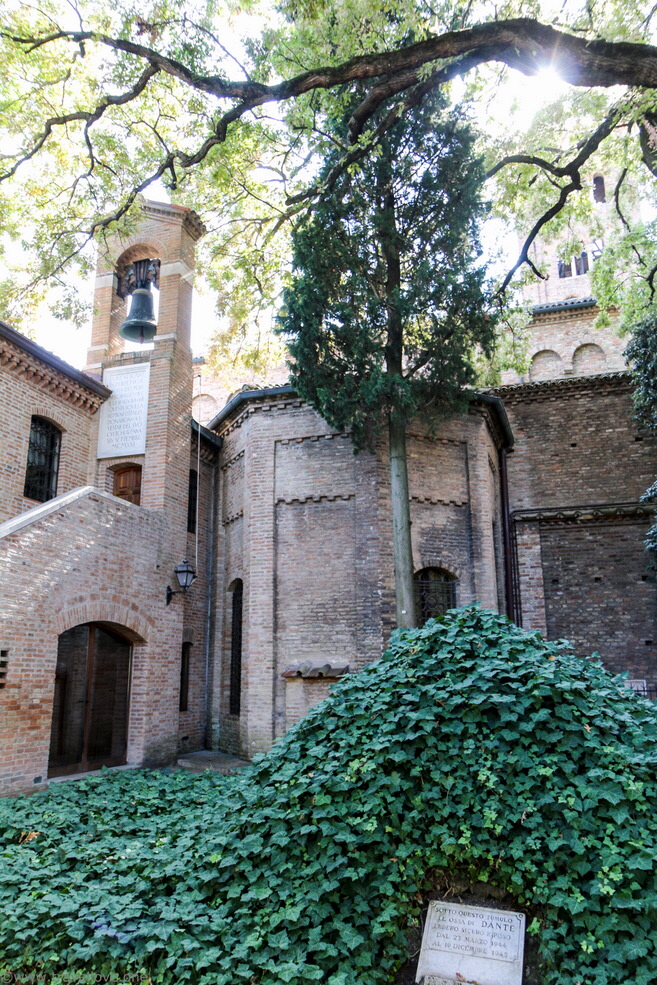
91, 701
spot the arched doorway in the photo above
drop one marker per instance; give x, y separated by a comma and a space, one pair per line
90, 707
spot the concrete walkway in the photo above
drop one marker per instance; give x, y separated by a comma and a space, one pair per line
206, 759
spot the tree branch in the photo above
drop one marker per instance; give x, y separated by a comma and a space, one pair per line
521, 43
566, 191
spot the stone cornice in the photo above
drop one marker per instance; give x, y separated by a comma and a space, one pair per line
190, 219
595, 513
42, 369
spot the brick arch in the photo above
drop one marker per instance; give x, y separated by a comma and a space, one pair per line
546, 365
40, 411
125, 617
138, 247
589, 358
434, 561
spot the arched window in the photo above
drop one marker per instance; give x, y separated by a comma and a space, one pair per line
435, 593
42, 460
183, 703
599, 193
236, 649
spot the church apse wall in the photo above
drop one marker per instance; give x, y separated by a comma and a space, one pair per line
306, 537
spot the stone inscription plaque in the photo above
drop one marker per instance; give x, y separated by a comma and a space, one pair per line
471, 944
122, 427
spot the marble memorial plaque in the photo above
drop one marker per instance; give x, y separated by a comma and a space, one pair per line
471, 944
122, 428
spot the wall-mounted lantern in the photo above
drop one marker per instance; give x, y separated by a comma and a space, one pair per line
185, 574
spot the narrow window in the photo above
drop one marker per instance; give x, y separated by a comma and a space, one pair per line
582, 264
4, 661
191, 501
127, 484
435, 593
236, 650
42, 460
565, 268
183, 704
599, 189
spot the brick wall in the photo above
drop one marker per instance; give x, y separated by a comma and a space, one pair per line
107, 562
577, 472
29, 387
599, 594
567, 343
576, 442
198, 627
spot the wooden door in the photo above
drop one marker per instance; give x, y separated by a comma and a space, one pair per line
90, 707
127, 484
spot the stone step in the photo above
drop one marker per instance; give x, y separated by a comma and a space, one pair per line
207, 759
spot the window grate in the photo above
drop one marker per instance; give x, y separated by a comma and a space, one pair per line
4, 663
435, 593
647, 689
42, 460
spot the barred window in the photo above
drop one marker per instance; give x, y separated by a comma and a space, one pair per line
435, 593
42, 460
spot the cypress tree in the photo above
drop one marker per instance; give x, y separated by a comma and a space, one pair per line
388, 303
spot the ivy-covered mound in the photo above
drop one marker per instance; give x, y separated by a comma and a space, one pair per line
471, 746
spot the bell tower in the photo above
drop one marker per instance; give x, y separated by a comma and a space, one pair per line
143, 452
146, 423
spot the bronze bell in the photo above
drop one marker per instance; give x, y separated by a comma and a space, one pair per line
140, 325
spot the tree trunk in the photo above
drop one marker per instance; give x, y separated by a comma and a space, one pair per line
401, 523
401, 513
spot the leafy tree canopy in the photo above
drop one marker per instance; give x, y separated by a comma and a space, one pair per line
471, 752
97, 101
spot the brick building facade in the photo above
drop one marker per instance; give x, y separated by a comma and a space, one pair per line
528, 504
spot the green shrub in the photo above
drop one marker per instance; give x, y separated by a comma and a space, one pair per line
469, 746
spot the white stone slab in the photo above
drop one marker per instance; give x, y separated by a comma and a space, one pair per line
122, 427
471, 944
